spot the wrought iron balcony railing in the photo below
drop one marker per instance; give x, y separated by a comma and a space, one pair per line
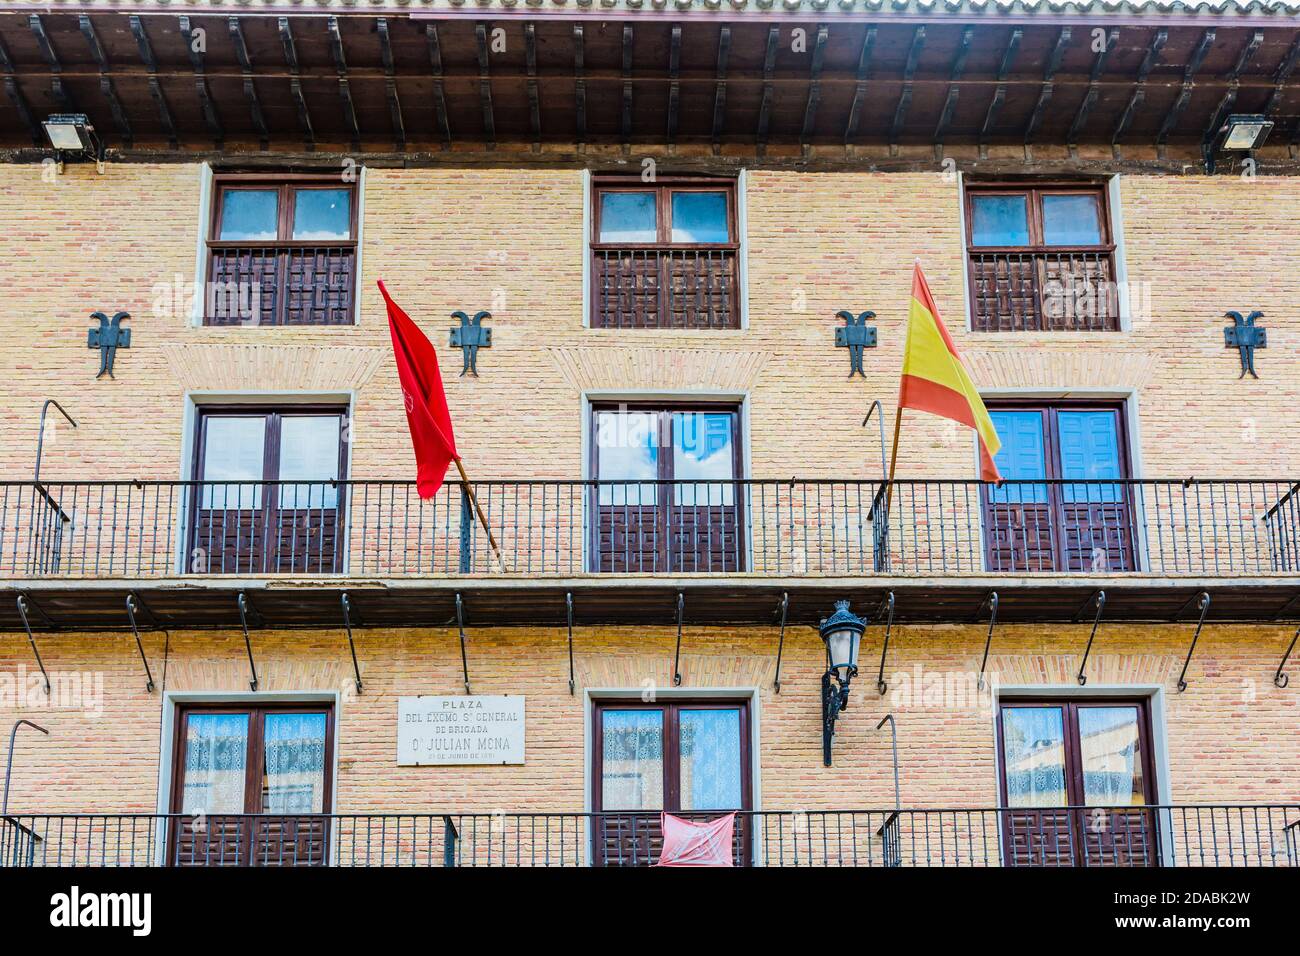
1254, 835
154, 529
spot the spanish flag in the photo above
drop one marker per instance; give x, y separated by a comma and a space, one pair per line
936, 381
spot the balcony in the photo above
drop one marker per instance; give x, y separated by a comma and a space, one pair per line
1046, 546
684, 287
1043, 291
1250, 835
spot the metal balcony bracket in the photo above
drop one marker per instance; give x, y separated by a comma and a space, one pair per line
677, 655
134, 605
245, 608
1280, 678
887, 611
990, 602
1098, 599
347, 625
1204, 599
460, 627
780, 646
23, 606
568, 607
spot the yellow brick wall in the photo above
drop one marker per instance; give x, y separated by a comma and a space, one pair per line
1231, 736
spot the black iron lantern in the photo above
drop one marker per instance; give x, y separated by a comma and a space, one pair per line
842, 635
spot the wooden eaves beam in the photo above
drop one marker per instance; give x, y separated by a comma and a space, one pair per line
295, 82
674, 81
1048, 87
250, 90
16, 97
1000, 91
1185, 92
485, 84
390, 84
860, 83
579, 85
209, 106
534, 91
626, 125
765, 103
954, 76
905, 97
435, 68
105, 80
1090, 97
1158, 41
61, 92
814, 85
720, 86
155, 88
1233, 77
345, 89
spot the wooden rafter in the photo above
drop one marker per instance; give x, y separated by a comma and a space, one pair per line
155, 88
435, 68
390, 83
1280, 76
1233, 77
860, 83
345, 89
485, 83
534, 92
814, 84
61, 92
579, 85
1000, 91
954, 77
720, 86
1048, 87
295, 82
674, 82
626, 125
1185, 91
208, 105
16, 97
909, 73
105, 80
1158, 42
1090, 97
250, 90
769, 69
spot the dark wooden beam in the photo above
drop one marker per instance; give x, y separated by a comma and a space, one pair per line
390, 83
16, 97
105, 80
765, 105
61, 92
1185, 92
674, 85
905, 97
720, 86
1233, 77
1000, 91
155, 88
250, 90
534, 92
295, 82
1285, 67
860, 83
345, 90
1090, 97
435, 68
626, 125
1048, 88
814, 85
1158, 41
579, 85
954, 77
485, 83
210, 115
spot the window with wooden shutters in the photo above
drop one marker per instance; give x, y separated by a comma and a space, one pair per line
1041, 258
281, 251
664, 254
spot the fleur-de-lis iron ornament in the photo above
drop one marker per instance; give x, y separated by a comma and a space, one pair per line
469, 337
1245, 336
108, 338
855, 336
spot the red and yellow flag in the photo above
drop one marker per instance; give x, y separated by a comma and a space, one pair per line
936, 381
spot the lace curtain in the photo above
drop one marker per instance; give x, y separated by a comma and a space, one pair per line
216, 754
295, 764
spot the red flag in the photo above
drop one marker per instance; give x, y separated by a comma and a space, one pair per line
426, 402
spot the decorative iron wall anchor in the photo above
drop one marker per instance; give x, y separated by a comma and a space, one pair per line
108, 338
1245, 336
855, 336
469, 337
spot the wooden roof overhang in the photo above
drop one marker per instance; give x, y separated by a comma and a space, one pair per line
420, 83
614, 600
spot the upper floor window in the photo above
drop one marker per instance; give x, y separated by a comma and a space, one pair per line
664, 254
281, 251
1042, 258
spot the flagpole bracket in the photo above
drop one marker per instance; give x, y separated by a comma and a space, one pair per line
460, 627
1204, 600
677, 655
134, 604
1099, 598
780, 646
347, 625
990, 602
887, 609
24, 605
245, 609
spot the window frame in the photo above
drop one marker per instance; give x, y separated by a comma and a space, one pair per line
271, 446
1051, 435
663, 431
672, 748
286, 185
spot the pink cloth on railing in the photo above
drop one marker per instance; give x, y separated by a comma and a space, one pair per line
691, 843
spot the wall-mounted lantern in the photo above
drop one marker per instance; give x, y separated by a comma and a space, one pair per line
842, 635
71, 134
1240, 133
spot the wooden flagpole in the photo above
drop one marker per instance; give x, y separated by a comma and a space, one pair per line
482, 519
